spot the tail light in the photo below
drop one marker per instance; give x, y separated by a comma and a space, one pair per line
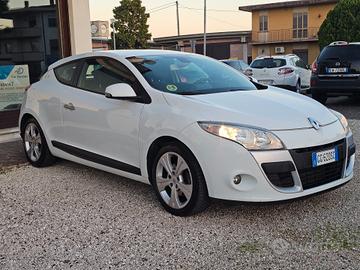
314, 67
283, 71
248, 72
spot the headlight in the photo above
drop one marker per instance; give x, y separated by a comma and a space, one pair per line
342, 120
249, 137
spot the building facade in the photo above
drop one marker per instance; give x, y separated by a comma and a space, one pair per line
288, 27
100, 31
220, 45
34, 34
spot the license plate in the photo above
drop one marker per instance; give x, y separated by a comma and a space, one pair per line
325, 157
337, 70
268, 82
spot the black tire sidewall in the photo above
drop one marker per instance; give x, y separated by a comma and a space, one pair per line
196, 174
44, 147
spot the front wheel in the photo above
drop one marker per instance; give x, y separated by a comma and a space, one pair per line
178, 181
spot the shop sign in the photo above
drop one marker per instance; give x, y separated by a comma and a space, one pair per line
13, 81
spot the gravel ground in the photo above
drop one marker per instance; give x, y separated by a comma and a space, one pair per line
71, 216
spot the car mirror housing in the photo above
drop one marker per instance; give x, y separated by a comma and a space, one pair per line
120, 91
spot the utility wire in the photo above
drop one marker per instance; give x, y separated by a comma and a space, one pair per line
213, 10
214, 18
161, 7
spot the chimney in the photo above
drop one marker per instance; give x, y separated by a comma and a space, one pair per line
26, 3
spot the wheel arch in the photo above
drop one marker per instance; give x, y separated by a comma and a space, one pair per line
156, 145
24, 119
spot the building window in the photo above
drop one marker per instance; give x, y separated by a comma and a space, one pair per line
52, 22
300, 25
263, 23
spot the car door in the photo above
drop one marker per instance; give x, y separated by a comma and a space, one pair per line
65, 82
304, 72
101, 129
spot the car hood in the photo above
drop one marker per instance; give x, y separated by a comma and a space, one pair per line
272, 109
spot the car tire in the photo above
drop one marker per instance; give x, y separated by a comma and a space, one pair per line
178, 181
35, 146
320, 97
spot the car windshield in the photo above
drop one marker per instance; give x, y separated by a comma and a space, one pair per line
268, 63
190, 74
344, 52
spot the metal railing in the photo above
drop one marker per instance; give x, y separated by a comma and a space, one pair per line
286, 35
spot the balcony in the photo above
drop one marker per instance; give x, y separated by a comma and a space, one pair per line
20, 33
286, 35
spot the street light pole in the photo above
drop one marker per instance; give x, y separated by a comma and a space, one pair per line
178, 19
114, 36
205, 27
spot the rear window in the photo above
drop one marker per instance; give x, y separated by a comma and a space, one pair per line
65, 73
268, 63
344, 52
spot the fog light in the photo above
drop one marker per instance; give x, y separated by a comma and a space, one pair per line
237, 179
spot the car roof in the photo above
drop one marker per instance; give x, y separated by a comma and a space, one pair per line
278, 56
114, 53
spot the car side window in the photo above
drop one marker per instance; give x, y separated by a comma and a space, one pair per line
66, 73
99, 73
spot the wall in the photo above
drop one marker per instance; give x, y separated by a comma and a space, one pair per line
79, 20
279, 19
283, 18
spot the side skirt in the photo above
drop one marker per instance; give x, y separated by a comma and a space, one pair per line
112, 163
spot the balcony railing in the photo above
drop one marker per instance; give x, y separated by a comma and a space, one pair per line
286, 35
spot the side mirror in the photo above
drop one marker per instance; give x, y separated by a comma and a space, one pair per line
120, 91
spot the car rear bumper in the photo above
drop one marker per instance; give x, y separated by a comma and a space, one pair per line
335, 86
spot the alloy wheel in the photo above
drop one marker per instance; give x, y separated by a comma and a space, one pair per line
174, 180
32, 141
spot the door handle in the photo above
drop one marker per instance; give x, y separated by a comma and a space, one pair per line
69, 106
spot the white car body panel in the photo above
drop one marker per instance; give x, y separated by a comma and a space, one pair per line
271, 74
124, 130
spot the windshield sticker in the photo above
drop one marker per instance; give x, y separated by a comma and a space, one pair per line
171, 87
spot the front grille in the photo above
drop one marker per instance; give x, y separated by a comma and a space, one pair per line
279, 173
312, 177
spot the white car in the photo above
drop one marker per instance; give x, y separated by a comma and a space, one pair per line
285, 71
189, 125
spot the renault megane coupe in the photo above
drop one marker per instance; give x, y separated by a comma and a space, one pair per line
188, 125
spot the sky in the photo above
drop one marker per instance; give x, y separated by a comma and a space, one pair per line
223, 15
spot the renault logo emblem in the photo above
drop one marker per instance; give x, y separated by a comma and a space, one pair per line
314, 123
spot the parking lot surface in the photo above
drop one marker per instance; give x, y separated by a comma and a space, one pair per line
71, 216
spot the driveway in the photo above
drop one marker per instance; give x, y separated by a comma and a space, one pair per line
71, 216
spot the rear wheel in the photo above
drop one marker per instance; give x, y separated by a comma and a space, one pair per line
35, 146
320, 97
178, 181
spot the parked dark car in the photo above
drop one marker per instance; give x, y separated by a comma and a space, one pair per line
336, 72
237, 64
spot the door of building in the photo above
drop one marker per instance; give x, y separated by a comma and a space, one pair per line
303, 55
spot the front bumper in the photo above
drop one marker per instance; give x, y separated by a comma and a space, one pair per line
222, 159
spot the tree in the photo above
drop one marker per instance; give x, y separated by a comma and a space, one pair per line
132, 31
342, 23
4, 6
